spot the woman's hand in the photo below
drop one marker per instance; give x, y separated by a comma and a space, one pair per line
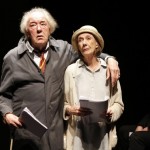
78, 111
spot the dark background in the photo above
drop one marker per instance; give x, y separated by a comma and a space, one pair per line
124, 27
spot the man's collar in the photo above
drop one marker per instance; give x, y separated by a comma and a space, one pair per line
31, 49
25, 45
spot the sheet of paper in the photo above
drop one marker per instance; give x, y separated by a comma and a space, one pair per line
31, 123
98, 109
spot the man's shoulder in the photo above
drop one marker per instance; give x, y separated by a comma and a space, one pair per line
58, 42
13, 52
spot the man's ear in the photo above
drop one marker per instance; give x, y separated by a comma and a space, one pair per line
27, 34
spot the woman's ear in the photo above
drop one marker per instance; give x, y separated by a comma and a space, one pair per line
97, 45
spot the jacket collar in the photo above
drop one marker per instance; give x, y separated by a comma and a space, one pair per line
79, 63
23, 45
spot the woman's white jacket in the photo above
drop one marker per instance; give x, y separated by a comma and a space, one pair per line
115, 102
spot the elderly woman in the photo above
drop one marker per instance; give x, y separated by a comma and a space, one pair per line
87, 78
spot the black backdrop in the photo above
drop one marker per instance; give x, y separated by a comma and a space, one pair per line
124, 27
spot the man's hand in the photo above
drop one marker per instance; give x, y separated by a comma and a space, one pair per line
140, 128
13, 120
113, 70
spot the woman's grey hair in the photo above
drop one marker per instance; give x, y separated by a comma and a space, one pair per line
50, 19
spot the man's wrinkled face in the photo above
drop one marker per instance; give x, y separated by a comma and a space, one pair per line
38, 31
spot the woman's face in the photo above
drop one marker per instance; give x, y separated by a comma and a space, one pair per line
87, 44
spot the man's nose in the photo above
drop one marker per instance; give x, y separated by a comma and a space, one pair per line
38, 27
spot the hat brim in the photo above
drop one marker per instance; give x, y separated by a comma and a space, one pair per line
96, 34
